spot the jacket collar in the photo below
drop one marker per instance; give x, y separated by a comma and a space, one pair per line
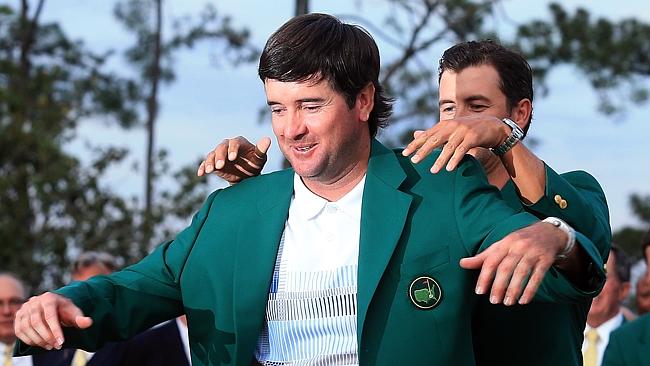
383, 215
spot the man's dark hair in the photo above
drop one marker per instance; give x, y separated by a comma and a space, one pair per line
317, 47
623, 264
645, 242
514, 71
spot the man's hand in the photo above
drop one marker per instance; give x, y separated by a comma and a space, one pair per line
236, 159
458, 136
38, 322
517, 263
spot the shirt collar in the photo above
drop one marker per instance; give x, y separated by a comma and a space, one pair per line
4, 347
607, 327
311, 204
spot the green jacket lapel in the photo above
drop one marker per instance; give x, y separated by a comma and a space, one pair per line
384, 212
257, 247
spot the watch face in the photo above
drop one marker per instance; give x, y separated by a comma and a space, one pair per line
517, 132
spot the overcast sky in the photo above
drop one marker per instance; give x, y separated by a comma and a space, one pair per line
207, 103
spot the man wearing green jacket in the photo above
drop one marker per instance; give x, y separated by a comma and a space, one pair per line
480, 79
350, 257
480, 84
629, 344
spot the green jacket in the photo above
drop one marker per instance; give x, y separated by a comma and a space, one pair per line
546, 333
629, 344
218, 270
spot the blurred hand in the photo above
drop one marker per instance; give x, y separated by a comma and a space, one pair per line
458, 136
236, 159
38, 322
517, 263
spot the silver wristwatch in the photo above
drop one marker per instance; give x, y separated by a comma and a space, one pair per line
571, 236
515, 135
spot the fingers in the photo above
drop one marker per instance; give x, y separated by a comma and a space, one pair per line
263, 146
38, 321
217, 158
83, 322
457, 141
518, 281
25, 332
414, 145
431, 143
533, 284
474, 262
235, 159
52, 320
491, 262
425, 142
214, 159
502, 278
201, 171
444, 156
233, 149
514, 267
458, 155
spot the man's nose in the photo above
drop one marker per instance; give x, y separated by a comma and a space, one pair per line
461, 112
295, 126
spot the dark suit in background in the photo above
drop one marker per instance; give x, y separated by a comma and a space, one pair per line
157, 346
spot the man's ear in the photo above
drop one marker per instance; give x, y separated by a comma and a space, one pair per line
521, 112
366, 102
625, 291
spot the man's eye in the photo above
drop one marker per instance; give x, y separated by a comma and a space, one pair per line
478, 107
276, 110
311, 108
448, 109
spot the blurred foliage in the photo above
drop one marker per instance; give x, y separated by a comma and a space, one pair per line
413, 29
629, 238
49, 203
51, 206
614, 56
151, 55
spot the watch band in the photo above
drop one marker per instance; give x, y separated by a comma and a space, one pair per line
516, 134
571, 233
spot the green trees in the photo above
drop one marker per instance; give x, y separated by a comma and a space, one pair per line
52, 206
49, 202
152, 57
613, 55
629, 237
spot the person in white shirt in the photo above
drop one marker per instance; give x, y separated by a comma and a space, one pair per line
12, 296
605, 313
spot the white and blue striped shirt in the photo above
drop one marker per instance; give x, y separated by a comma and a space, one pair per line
311, 314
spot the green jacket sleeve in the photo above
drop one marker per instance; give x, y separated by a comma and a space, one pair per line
480, 208
577, 198
134, 299
586, 206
